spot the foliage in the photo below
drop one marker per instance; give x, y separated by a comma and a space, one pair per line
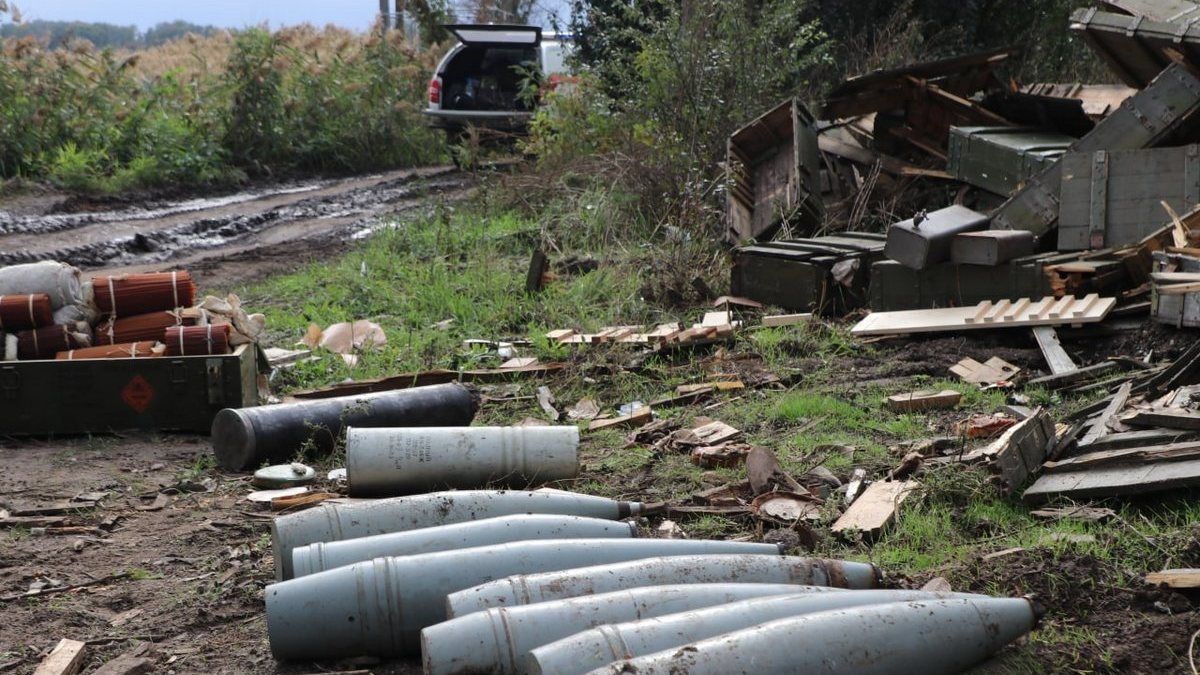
101, 35
209, 110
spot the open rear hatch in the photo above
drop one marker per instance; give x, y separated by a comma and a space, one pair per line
500, 34
489, 70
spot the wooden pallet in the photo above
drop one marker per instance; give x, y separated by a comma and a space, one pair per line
1049, 311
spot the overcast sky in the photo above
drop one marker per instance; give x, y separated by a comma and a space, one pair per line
358, 14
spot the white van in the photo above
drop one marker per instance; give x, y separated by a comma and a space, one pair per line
478, 82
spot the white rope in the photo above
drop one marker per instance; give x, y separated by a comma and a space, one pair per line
175, 287
210, 349
32, 319
181, 352
112, 297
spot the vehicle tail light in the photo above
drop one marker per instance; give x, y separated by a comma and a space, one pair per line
435, 91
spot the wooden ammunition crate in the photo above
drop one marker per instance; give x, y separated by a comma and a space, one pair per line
773, 171
1156, 116
99, 395
1115, 198
799, 275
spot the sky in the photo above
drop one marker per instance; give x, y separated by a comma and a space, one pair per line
356, 14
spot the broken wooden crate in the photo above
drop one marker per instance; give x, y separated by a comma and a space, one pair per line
823, 275
1048, 311
1165, 109
1137, 48
773, 173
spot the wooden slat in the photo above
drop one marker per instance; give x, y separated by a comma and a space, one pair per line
1056, 357
1100, 426
966, 318
1115, 481
1159, 453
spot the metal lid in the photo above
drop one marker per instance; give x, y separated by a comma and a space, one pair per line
284, 475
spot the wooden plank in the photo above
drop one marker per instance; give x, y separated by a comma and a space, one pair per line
875, 508
66, 659
1139, 439
1169, 418
906, 322
1056, 357
1158, 453
520, 362
786, 319
1176, 578
916, 401
1071, 377
1100, 427
132, 665
561, 334
716, 319
1116, 481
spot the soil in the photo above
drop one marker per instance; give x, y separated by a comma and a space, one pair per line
196, 565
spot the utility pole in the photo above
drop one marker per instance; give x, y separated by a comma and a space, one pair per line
383, 16
399, 15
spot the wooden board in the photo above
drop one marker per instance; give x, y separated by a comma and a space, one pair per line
1115, 481
786, 319
875, 508
1167, 417
1177, 578
1049, 311
1154, 453
1099, 426
66, 659
1056, 357
916, 401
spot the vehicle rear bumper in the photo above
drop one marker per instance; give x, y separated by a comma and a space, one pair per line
457, 119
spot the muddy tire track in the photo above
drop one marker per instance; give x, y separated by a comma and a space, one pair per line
233, 226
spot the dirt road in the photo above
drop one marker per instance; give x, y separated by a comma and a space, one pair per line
242, 236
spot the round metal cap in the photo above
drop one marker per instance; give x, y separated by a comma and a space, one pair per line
284, 475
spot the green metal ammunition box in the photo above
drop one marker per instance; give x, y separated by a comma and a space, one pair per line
773, 173
895, 287
999, 159
827, 275
1115, 198
99, 395
1154, 116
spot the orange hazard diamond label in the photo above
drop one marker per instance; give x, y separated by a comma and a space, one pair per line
138, 394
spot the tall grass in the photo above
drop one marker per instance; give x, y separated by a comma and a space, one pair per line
210, 110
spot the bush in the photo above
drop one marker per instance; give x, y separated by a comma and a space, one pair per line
212, 110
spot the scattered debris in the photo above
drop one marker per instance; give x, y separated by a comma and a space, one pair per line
268, 496
723, 455
993, 372
636, 418
1089, 514
586, 409
546, 401
984, 426
345, 339
786, 319
787, 507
